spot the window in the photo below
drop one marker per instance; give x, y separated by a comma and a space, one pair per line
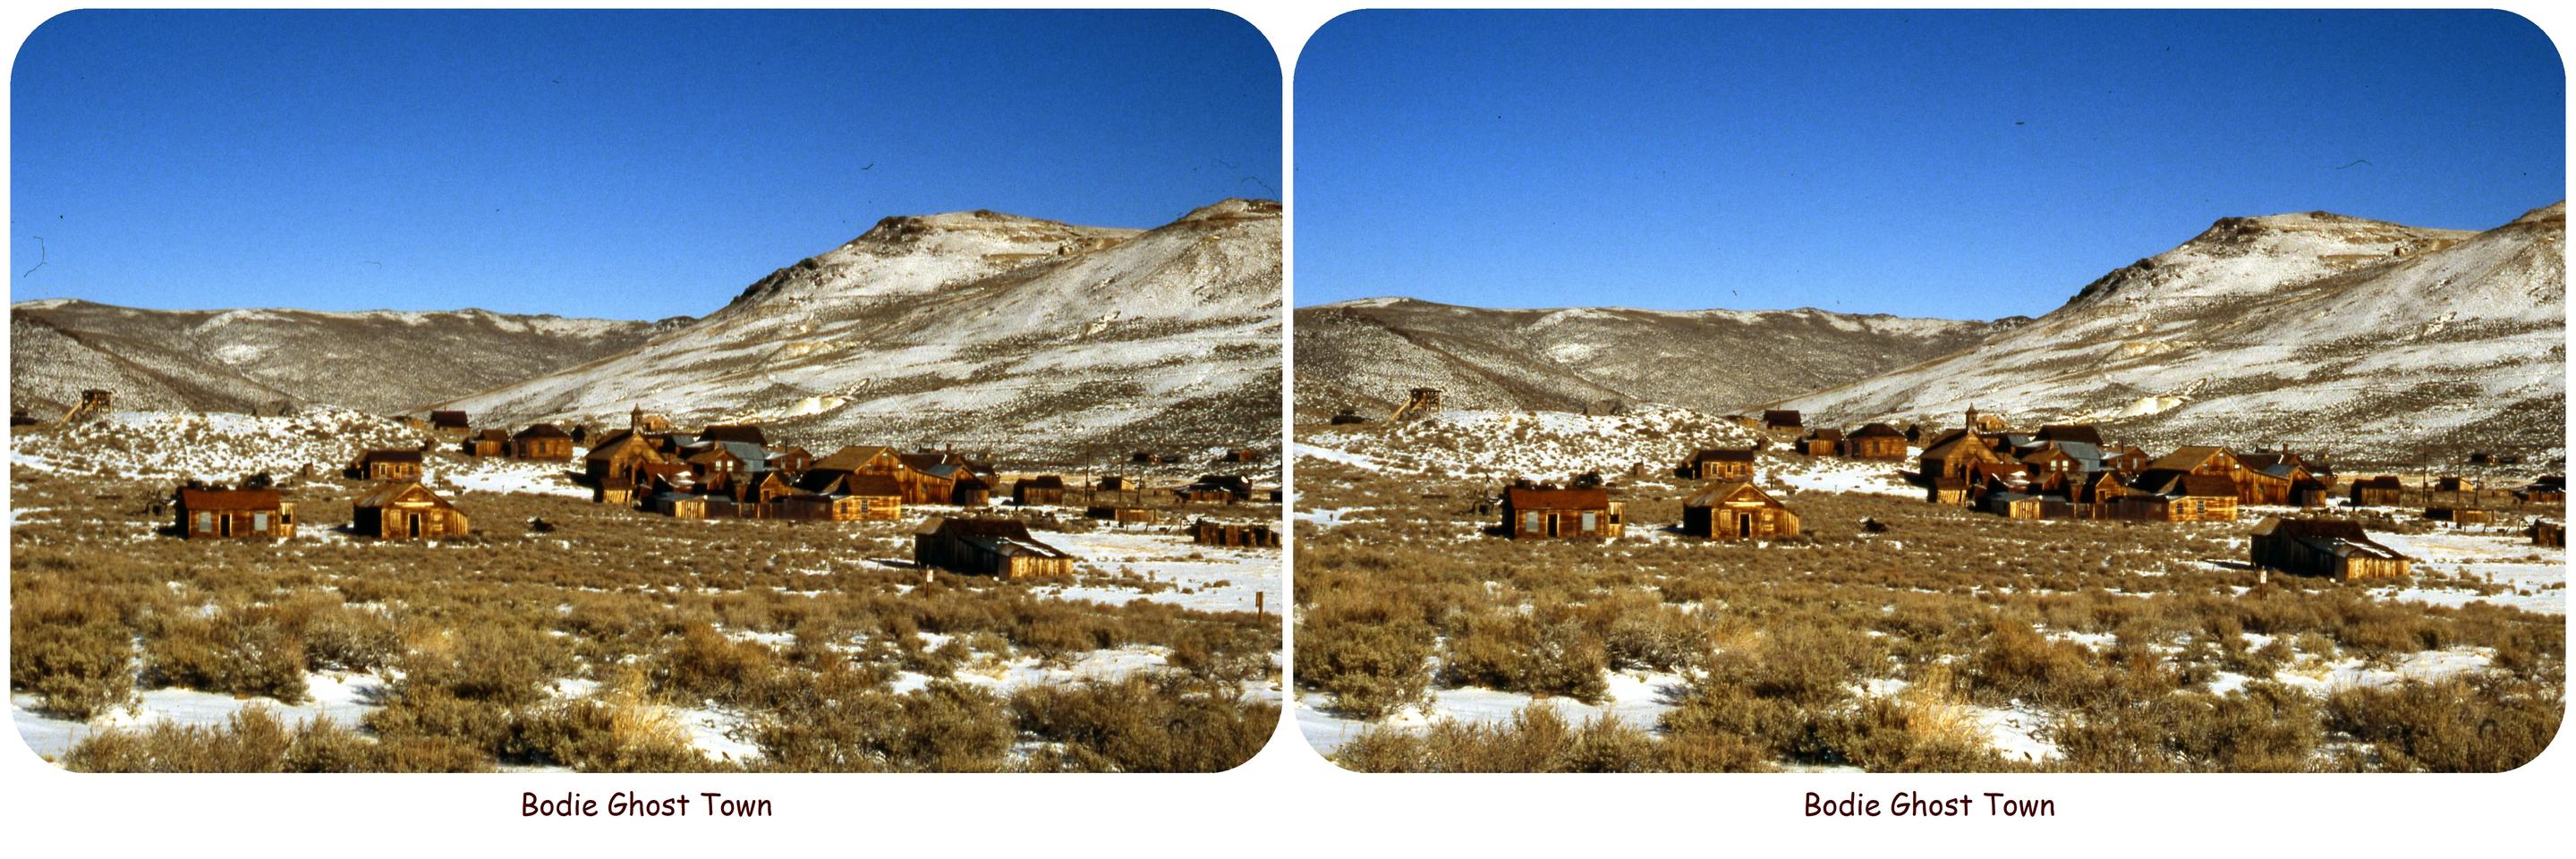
1591, 523
1530, 522
259, 523
205, 522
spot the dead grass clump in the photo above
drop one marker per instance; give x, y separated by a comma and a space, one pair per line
1141, 723
2480, 724
1536, 739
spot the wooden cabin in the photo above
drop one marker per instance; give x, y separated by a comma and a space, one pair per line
1822, 441
1112, 483
227, 513
1207, 532
971, 491
2382, 491
2547, 534
1576, 514
1042, 489
2459, 516
2454, 483
2550, 489
848, 498
382, 464
1875, 441
1955, 452
986, 547
2273, 478
2013, 505
2331, 548
1737, 510
1724, 463
1947, 490
449, 421
750, 434
791, 460
1783, 420
407, 511
542, 441
2181, 498
490, 442
2078, 433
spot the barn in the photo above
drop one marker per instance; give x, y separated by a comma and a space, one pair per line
1564, 513
542, 441
1737, 510
382, 464
2332, 548
222, 513
407, 511
986, 547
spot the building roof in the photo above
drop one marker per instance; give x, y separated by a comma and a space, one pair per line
2185, 458
1722, 454
537, 431
390, 492
1566, 499
231, 499
447, 418
1877, 431
2086, 433
1000, 536
2333, 536
851, 457
735, 432
1043, 481
1720, 492
388, 455
2207, 486
1781, 418
1826, 434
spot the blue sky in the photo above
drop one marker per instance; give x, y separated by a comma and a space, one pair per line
632, 165
1950, 164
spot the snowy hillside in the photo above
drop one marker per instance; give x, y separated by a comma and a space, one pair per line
1031, 339
1542, 445
1365, 354
249, 361
2366, 340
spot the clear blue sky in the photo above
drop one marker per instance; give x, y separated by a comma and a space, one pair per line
620, 164
1951, 164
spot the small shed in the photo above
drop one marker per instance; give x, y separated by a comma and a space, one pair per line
224, 513
2459, 515
986, 547
2547, 534
1215, 488
450, 421
1115, 513
1822, 441
490, 442
1875, 441
2333, 548
407, 511
1723, 463
1737, 510
1782, 420
2382, 491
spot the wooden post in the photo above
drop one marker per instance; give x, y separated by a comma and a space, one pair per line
1257, 607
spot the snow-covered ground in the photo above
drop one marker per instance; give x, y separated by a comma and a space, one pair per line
215, 446
1638, 698
1836, 474
2537, 576
1209, 578
1474, 443
502, 475
339, 696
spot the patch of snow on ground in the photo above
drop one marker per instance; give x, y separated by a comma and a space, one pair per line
1639, 698
1166, 557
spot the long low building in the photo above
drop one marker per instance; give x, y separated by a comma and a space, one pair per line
2332, 548
986, 547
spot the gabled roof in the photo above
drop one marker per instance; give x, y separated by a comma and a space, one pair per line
388, 455
2207, 486
1000, 536
447, 418
389, 493
2186, 458
1731, 490
2085, 433
1722, 454
2332, 536
750, 433
1877, 431
1825, 434
1781, 418
867, 486
494, 434
1043, 481
851, 457
232, 499
1571, 499
537, 431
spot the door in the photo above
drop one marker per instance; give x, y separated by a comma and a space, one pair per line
226, 521
1743, 525
414, 521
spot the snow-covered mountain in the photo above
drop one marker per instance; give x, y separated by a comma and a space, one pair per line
2358, 338
1033, 339
1367, 354
253, 360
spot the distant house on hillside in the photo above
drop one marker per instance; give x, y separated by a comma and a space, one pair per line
1724, 463
986, 547
223, 513
1783, 420
1562, 513
1955, 452
542, 441
2083, 433
745, 433
1735, 510
449, 421
489, 442
1875, 441
384, 464
1822, 441
2332, 548
1215, 488
407, 511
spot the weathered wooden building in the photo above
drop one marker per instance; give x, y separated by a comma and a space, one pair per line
1215, 489
614, 460
1723, 463
382, 464
1737, 510
1783, 420
1822, 441
1564, 513
1042, 489
2459, 515
487, 442
847, 498
543, 442
407, 511
2180, 498
2547, 534
2549, 489
1955, 452
225, 513
1116, 513
2332, 548
1875, 441
1209, 532
450, 421
986, 547
2382, 491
